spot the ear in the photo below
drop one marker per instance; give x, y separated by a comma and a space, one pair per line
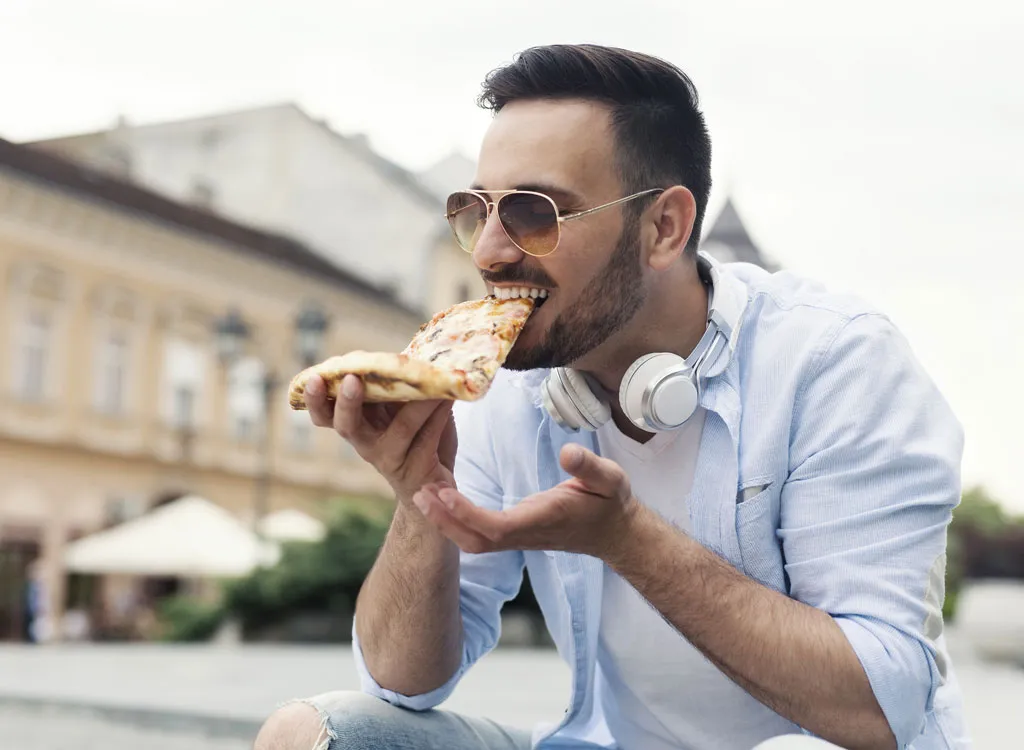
670, 223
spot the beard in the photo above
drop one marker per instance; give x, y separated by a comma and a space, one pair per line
610, 301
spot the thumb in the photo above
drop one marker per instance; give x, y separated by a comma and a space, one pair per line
600, 475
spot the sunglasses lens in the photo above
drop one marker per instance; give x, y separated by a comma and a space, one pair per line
467, 215
531, 222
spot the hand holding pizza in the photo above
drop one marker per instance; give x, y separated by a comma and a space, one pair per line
585, 514
411, 444
395, 408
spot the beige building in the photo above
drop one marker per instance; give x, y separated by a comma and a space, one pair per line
112, 394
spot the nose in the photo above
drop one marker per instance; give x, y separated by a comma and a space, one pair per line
493, 248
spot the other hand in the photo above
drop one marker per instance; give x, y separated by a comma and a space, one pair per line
588, 513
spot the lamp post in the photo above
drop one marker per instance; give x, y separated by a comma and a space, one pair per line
232, 335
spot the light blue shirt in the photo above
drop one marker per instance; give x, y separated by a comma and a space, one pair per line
820, 401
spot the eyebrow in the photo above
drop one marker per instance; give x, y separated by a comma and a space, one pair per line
539, 187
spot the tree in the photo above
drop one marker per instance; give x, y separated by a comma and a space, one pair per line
983, 541
322, 577
318, 580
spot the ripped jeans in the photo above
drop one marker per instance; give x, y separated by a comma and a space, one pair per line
356, 721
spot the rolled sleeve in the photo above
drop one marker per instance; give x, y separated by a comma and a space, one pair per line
486, 581
874, 477
420, 702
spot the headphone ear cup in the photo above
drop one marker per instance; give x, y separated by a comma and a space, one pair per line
658, 392
570, 401
594, 409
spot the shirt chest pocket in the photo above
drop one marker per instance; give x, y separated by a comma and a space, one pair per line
757, 520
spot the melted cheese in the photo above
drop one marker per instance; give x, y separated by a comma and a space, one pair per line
474, 337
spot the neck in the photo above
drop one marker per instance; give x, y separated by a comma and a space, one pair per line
673, 319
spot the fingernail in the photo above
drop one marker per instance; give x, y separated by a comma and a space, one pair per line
313, 388
348, 387
573, 457
448, 499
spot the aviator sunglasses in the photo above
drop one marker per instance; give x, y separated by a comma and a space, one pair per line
529, 219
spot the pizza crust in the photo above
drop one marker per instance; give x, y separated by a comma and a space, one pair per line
386, 376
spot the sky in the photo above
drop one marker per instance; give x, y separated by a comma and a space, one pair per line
876, 146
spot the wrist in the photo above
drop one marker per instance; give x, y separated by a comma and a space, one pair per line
404, 491
408, 524
623, 541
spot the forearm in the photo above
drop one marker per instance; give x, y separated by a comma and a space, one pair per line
791, 657
407, 613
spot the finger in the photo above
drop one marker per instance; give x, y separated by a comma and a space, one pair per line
448, 446
409, 420
601, 476
379, 416
523, 526
348, 419
428, 502
436, 487
425, 445
485, 522
317, 404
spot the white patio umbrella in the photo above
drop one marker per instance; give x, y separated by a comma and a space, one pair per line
188, 538
291, 524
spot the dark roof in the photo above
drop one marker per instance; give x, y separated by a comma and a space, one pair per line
729, 230
97, 185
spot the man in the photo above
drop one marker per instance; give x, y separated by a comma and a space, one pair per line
764, 560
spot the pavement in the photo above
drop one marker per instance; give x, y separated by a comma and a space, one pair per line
165, 697
50, 727
215, 698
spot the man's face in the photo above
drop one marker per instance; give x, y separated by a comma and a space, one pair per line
564, 149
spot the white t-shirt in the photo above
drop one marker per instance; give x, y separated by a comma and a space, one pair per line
660, 691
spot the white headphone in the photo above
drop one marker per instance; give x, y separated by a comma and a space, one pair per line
661, 390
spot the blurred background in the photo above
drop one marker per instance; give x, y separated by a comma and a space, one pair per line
198, 199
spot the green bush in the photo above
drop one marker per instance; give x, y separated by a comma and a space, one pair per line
322, 577
184, 618
978, 517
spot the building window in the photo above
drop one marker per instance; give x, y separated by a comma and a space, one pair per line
112, 373
246, 399
244, 428
183, 414
203, 194
301, 437
33, 360
183, 374
118, 161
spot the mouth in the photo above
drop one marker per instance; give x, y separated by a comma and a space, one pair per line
519, 292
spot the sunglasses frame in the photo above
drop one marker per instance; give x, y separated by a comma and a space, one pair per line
492, 207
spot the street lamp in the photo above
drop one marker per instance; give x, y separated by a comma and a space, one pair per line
232, 334
310, 328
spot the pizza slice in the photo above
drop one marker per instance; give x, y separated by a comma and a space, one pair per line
453, 356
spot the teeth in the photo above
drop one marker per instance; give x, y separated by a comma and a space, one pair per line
519, 292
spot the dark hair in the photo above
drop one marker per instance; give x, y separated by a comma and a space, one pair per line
661, 138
